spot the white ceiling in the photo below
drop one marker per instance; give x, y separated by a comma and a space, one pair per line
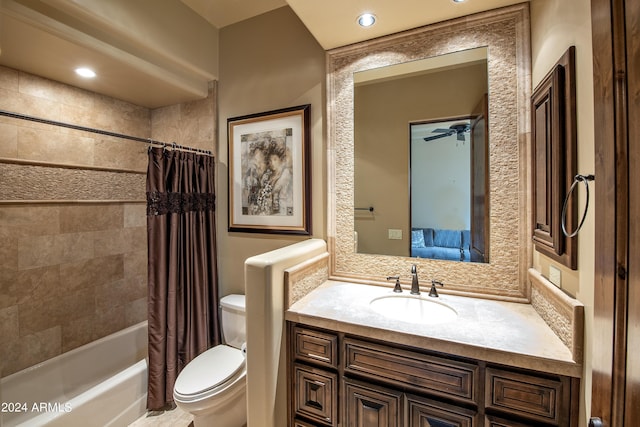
140, 46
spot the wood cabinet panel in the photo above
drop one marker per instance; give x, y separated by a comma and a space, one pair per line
424, 412
371, 406
439, 376
382, 384
315, 395
298, 423
480, 213
315, 347
554, 164
523, 395
491, 421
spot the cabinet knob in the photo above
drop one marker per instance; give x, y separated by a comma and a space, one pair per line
595, 422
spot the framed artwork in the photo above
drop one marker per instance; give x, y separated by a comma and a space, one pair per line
269, 172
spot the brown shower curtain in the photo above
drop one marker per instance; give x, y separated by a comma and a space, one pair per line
182, 300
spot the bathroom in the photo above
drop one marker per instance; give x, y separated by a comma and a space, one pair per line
267, 62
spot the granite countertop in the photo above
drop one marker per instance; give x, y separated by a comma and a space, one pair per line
494, 331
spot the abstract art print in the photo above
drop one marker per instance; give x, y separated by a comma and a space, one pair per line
269, 161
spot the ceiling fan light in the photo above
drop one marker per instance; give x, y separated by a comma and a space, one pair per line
366, 20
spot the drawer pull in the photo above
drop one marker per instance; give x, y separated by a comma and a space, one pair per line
317, 356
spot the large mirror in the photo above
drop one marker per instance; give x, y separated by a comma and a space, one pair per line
503, 36
415, 124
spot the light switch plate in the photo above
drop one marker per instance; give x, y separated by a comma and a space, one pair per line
555, 276
395, 234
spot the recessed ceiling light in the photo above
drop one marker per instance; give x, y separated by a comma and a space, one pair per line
85, 72
366, 19
458, 1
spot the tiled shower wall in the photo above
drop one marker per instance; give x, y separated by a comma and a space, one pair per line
73, 258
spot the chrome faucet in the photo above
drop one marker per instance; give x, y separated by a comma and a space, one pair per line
415, 285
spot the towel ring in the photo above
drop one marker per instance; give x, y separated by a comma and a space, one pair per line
576, 180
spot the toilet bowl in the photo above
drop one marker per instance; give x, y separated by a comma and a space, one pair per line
212, 387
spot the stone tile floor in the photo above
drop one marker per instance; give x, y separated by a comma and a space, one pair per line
171, 418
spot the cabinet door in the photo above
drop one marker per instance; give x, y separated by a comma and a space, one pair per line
367, 405
298, 423
553, 137
424, 412
492, 421
315, 395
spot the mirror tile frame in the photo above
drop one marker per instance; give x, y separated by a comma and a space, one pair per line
505, 32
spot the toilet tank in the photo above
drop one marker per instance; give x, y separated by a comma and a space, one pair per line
233, 320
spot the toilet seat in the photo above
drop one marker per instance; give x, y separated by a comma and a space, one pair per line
209, 372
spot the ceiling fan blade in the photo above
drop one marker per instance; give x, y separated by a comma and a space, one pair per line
439, 130
442, 135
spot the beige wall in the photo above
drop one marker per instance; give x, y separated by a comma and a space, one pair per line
267, 63
556, 25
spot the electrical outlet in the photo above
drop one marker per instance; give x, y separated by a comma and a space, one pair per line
395, 234
555, 276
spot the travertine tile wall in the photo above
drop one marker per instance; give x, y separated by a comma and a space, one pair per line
66, 283
73, 256
73, 264
194, 124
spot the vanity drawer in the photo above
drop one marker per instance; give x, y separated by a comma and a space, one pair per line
529, 396
435, 375
315, 346
316, 395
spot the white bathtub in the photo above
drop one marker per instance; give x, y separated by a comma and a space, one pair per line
103, 383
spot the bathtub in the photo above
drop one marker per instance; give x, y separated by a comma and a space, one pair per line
103, 383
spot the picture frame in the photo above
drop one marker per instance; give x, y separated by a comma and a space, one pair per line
270, 172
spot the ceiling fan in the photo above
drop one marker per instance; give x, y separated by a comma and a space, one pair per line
456, 128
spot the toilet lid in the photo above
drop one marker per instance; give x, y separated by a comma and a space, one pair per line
210, 369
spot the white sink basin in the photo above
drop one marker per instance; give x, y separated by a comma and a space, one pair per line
414, 309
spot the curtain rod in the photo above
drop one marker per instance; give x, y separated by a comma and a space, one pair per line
173, 145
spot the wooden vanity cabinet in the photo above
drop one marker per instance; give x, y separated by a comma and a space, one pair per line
347, 381
313, 376
367, 404
544, 399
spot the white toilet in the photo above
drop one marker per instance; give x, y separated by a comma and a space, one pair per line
212, 387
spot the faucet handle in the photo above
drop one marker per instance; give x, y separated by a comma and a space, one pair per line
397, 288
434, 292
